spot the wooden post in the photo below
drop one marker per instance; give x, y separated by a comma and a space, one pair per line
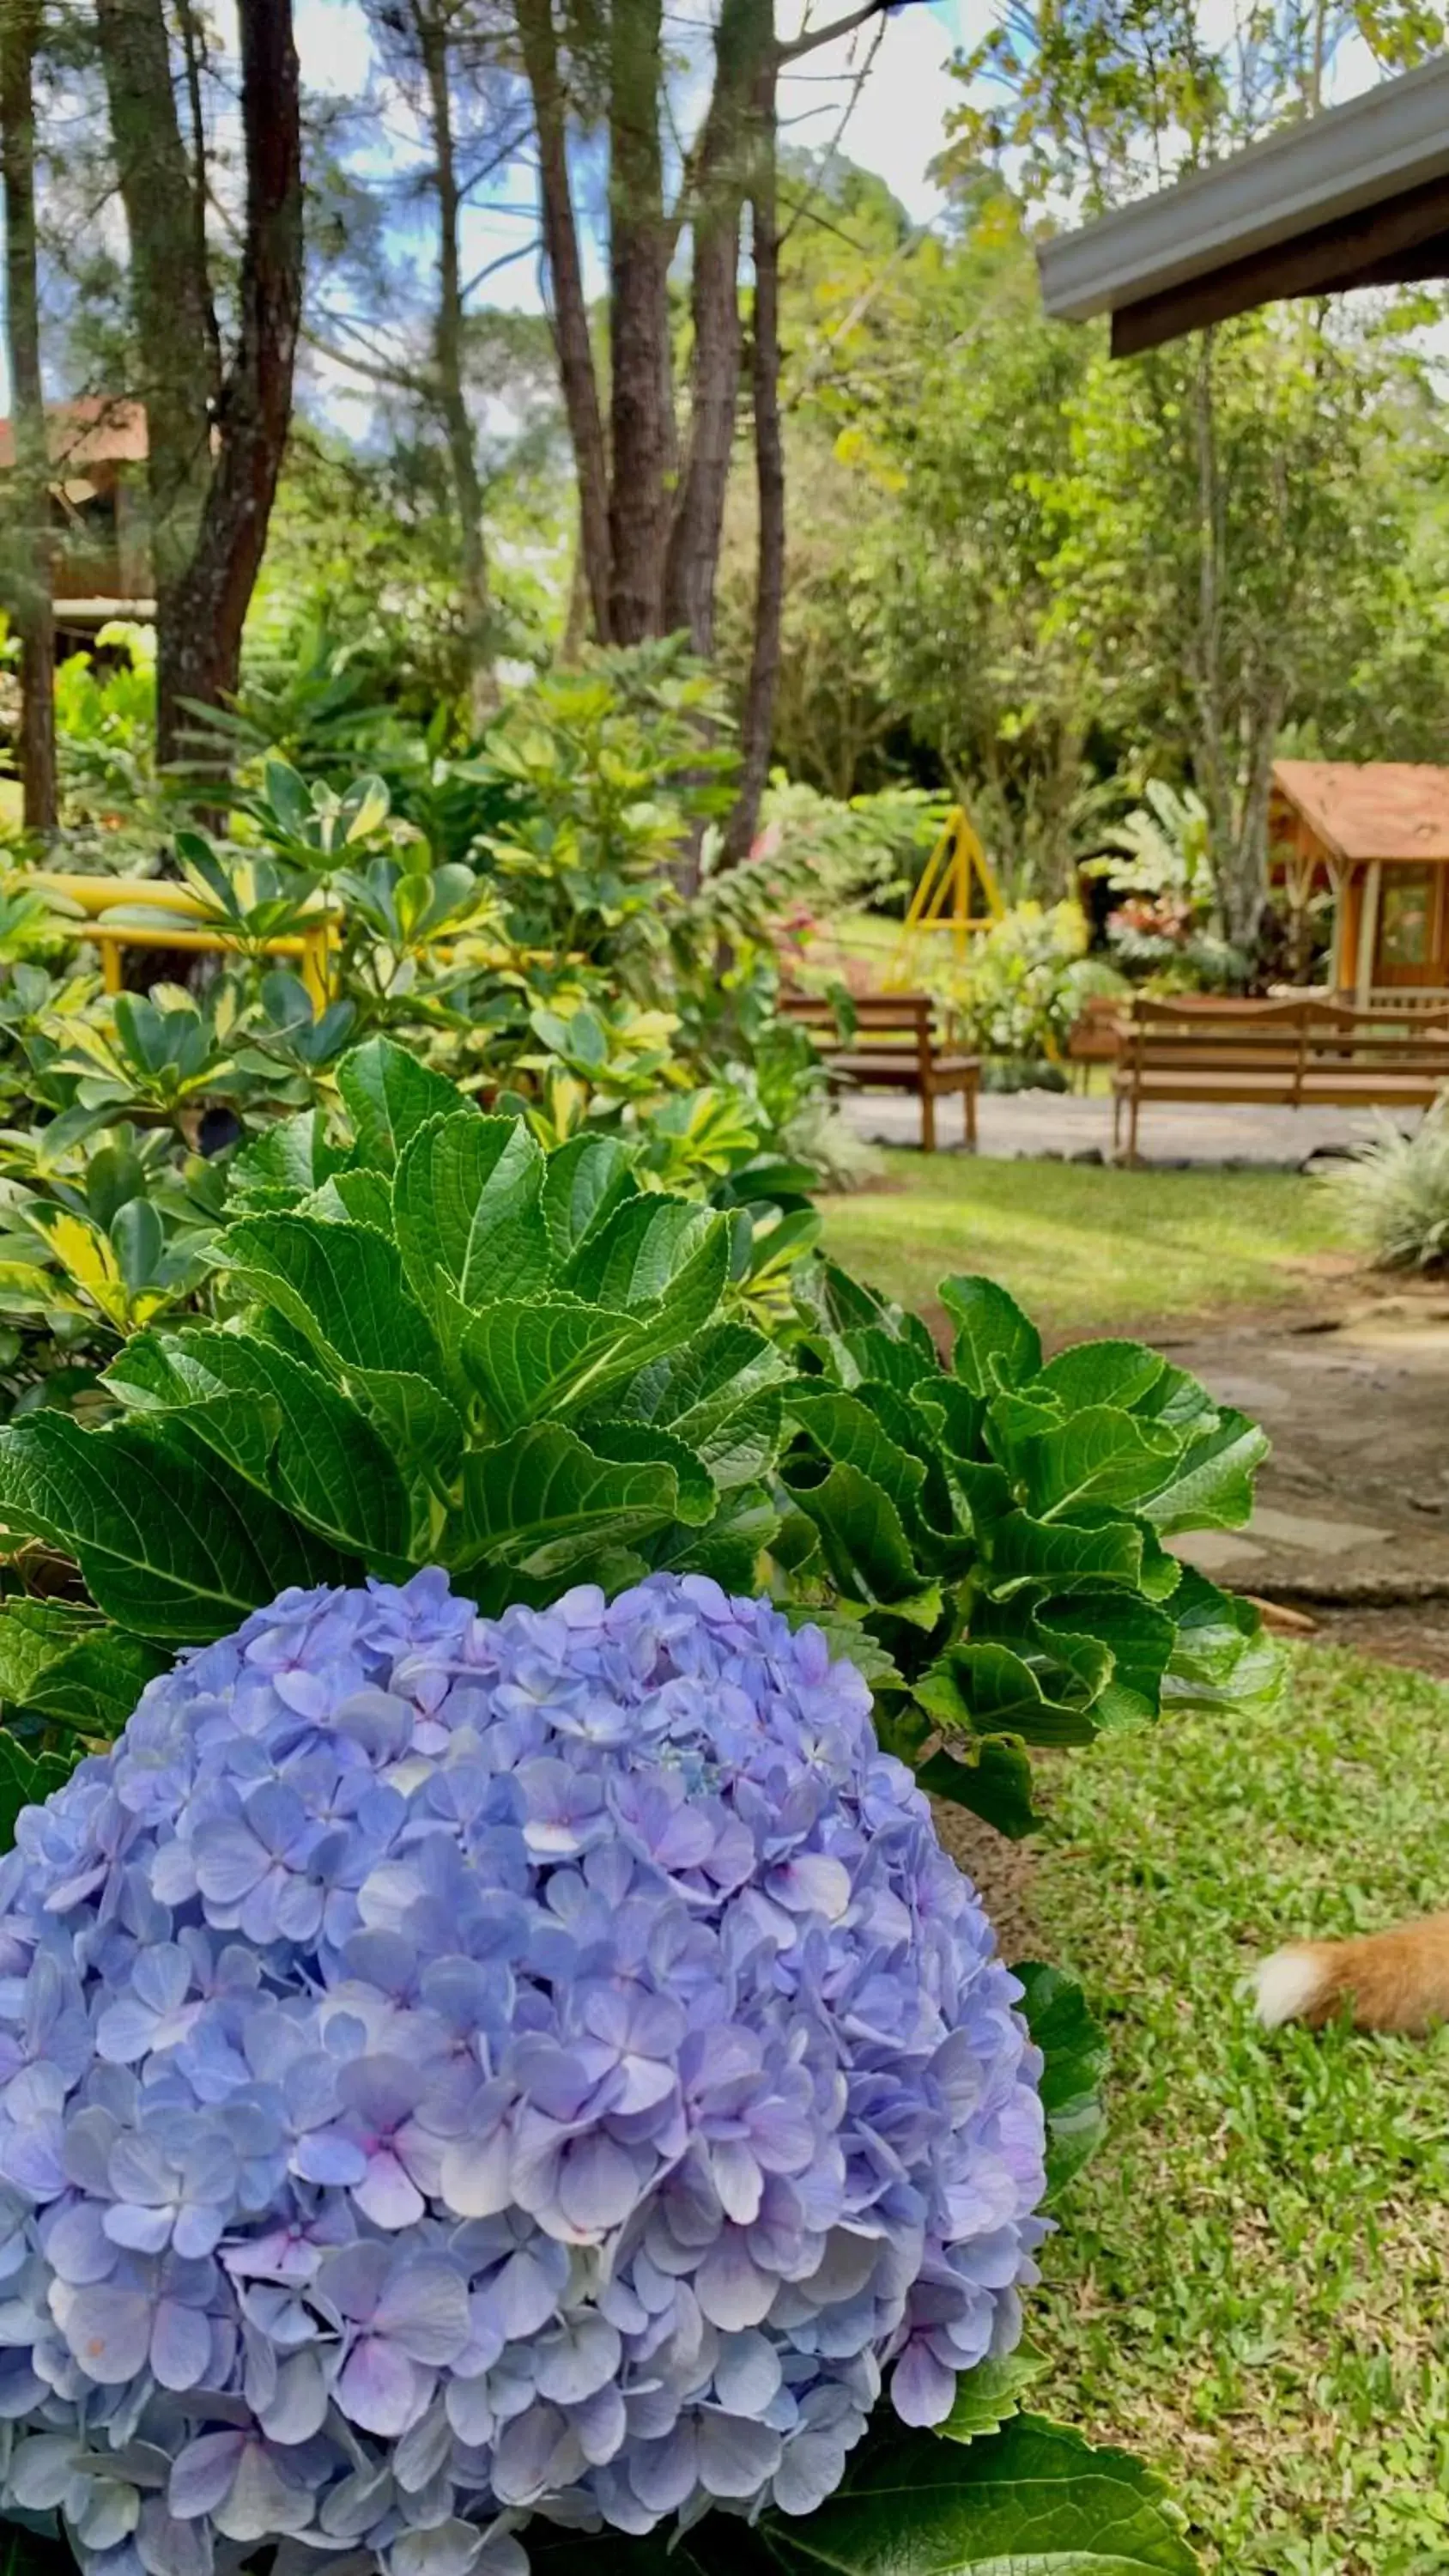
1368, 933
1338, 962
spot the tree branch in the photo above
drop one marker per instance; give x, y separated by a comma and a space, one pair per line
812, 38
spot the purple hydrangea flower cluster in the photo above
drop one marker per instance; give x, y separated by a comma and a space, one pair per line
456, 2068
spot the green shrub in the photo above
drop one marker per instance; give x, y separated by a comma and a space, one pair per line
1019, 990
436, 1344
1395, 1194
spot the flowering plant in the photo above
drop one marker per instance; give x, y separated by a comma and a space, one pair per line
455, 2068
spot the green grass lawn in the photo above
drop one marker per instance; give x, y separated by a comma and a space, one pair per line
1086, 1247
1250, 2285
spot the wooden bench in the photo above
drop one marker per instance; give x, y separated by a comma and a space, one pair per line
1282, 1054
894, 1049
1096, 1035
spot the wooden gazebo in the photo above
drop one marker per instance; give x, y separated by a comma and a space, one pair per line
1376, 835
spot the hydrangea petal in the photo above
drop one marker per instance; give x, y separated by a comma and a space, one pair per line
457, 2067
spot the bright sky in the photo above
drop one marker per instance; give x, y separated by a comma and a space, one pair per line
895, 128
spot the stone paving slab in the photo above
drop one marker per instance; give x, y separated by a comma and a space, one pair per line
1355, 1495
1071, 1123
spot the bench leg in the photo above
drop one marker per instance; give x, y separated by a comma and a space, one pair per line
1132, 1128
970, 1107
928, 1119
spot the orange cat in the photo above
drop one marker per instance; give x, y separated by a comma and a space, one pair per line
1396, 1980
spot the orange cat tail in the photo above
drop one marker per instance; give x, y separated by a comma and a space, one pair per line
1393, 1981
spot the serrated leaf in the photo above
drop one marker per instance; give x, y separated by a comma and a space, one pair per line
543, 1502
420, 1425
988, 2396
850, 1434
171, 1546
340, 1286
289, 1160
353, 1198
1212, 1484
26, 1780
993, 1783
69, 1666
862, 1536
1222, 1657
696, 1388
1139, 1638
744, 1445
292, 1432
95, 1685
996, 1344
884, 1356
952, 1415
583, 1183
542, 1355
466, 1210
1030, 2500
1020, 1549
986, 1688
1077, 2057
729, 1548
388, 1096
1101, 1455
1121, 1373
652, 1248
646, 1444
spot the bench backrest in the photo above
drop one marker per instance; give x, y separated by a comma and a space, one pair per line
1289, 1038
872, 1010
895, 1025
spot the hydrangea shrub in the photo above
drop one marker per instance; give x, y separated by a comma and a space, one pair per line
456, 2069
434, 1344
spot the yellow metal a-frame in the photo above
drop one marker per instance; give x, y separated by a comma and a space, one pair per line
956, 873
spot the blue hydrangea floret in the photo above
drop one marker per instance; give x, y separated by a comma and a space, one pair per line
453, 2069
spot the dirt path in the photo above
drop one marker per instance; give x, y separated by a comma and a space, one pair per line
1353, 1505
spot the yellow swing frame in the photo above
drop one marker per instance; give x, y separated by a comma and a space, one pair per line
957, 870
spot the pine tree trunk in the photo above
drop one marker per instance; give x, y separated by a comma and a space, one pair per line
742, 44
34, 618
570, 312
757, 729
641, 409
170, 305
212, 483
448, 360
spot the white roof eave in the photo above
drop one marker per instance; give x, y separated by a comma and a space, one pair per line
1394, 138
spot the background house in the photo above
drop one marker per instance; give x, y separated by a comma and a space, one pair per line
98, 510
1375, 835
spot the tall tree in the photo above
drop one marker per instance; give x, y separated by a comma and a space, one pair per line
1097, 99
30, 539
652, 495
443, 70
215, 443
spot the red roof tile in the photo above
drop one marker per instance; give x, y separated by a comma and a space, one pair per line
1372, 809
94, 431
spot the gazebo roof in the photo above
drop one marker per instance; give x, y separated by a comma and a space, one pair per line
1372, 809
98, 429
